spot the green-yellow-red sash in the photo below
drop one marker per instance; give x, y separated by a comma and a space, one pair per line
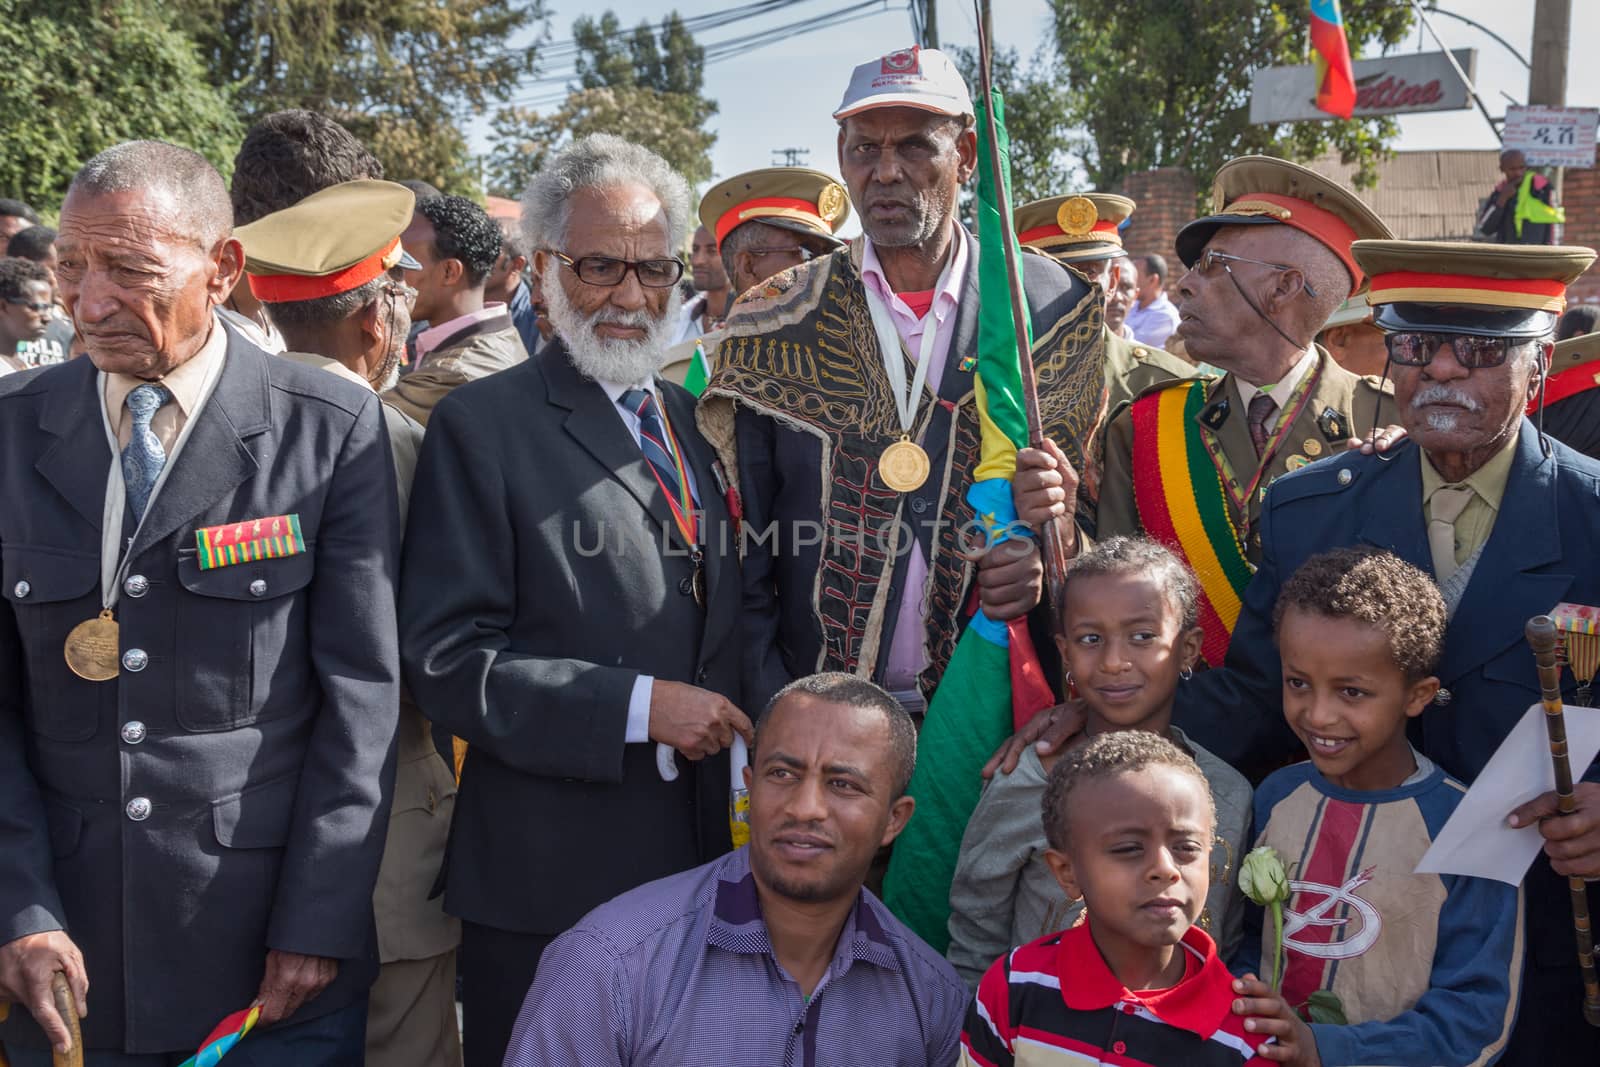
1182, 504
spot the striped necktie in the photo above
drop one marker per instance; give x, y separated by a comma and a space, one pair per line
653, 440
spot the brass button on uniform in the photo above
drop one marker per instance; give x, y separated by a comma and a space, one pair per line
139, 809
133, 732
135, 660
137, 585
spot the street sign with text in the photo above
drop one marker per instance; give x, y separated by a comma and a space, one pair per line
1390, 85
1552, 136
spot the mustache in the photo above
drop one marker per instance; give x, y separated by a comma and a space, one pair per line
1443, 394
639, 319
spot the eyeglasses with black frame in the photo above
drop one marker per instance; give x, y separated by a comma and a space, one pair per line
1416, 348
1211, 258
31, 305
606, 272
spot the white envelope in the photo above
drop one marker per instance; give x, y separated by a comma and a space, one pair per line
1477, 839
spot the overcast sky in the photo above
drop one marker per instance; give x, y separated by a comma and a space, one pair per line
782, 95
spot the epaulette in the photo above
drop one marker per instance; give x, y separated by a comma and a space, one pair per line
1378, 384
1336, 474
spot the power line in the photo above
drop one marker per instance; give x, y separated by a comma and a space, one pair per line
729, 48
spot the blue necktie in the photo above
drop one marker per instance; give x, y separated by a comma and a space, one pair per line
143, 457
653, 438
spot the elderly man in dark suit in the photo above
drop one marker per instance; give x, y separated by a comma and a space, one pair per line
196, 735
571, 592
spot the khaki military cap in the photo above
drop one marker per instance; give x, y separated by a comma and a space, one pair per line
333, 241
1467, 287
1075, 227
1261, 191
794, 198
1575, 352
1352, 311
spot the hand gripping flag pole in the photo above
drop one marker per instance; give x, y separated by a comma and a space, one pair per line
981, 696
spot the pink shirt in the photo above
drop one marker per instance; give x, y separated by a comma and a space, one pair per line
429, 339
908, 653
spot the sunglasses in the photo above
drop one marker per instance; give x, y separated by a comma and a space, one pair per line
605, 272
1416, 348
31, 305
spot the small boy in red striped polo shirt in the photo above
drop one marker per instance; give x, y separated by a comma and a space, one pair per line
1129, 820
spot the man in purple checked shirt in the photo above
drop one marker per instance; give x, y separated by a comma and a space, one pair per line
773, 954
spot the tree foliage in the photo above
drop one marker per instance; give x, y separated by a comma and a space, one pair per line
1034, 105
644, 85
1159, 83
81, 76
398, 73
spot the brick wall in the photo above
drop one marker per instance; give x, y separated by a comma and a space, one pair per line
1166, 199
1580, 195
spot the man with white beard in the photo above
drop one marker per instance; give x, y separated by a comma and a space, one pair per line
571, 600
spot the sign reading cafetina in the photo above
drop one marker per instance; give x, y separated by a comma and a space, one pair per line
1391, 85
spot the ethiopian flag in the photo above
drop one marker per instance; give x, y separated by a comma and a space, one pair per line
1336, 77
972, 711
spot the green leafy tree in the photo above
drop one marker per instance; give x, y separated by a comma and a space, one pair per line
398, 75
82, 76
663, 122
644, 85
1035, 102
1159, 83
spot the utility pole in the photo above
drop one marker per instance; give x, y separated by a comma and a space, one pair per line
792, 157
1552, 42
1547, 77
930, 22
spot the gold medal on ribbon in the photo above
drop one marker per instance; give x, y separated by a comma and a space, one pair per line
904, 466
91, 648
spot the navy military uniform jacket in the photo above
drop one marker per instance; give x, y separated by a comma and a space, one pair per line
1544, 548
228, 792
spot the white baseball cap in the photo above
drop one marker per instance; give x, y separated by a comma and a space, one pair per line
912, 77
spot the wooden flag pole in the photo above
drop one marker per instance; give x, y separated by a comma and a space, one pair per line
1055, 554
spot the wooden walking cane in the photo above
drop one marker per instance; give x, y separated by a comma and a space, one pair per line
1055, 553
1541, 633
67, 1008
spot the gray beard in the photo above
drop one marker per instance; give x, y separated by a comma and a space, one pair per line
602, 360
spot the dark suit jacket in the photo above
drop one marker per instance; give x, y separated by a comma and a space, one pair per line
780, 480
269, 714
542, 575
1543, 550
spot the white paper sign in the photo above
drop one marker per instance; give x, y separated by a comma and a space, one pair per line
1477, 839
1552, 136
